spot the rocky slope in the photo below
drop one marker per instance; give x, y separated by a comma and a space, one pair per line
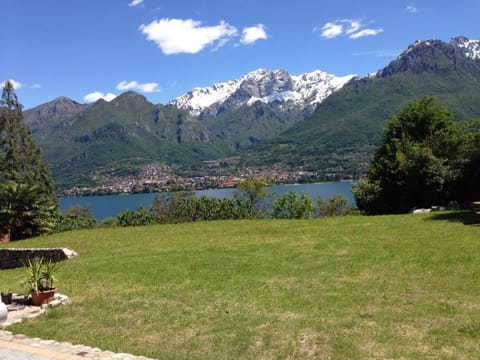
268, 86
435, 56
52, 114
469, 48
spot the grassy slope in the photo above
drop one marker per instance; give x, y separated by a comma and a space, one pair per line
354, 287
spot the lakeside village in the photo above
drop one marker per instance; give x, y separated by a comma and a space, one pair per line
160, 177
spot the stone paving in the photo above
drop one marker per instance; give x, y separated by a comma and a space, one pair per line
27, 312
21, 347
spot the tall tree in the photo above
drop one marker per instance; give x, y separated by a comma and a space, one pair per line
254, 192
27, 198
420, 162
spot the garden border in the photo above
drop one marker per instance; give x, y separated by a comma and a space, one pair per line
15, 257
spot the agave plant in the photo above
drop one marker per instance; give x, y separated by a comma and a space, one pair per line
48, 274
40, 274
34, 275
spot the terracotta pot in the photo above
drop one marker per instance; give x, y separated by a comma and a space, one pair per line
42, 297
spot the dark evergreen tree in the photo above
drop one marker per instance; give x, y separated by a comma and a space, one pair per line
27, 197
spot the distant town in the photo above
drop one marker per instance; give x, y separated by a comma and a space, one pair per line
160, 177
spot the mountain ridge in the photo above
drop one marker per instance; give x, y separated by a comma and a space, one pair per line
468, 47
258, 121
305, 90
435, 56
342, 134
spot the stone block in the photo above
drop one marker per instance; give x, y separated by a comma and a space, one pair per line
12, 258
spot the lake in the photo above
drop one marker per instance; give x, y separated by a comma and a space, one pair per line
103, 207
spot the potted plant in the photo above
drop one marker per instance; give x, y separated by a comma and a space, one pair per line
41, 279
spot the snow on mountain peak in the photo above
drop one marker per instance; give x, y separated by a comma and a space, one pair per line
316, 86
306, 90
471, 48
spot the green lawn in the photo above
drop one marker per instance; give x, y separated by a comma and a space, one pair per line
399, 287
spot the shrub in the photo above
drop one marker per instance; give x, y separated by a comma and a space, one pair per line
184, 207
292, 206
108, 223
76, 217
335, 206
139, 217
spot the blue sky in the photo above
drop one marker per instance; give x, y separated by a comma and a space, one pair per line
86, 49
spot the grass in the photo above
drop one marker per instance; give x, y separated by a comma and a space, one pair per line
398, 287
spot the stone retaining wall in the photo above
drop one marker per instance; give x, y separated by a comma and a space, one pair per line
12, 258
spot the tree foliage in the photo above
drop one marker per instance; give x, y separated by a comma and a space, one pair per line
28, 201
24, 211
139, 217
337, 205
254, 192
76, 217
292, 206
422, 161
185, 207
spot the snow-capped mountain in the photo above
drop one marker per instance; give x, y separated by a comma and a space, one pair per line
470, 48
435, 56
466, 47
306, 90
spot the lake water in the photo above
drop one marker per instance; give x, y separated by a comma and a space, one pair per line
103, 207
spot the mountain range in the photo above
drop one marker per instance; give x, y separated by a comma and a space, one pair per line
342, 134
267, 86
315, 121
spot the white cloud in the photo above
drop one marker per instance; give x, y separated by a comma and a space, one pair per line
135, 2
355, 25
379, 53
16, 84
253, 33
366, 32
411, 9
123, 85
134, 85
331, 30
353, 28
149, 87
220, 43
94, 96
174, 36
